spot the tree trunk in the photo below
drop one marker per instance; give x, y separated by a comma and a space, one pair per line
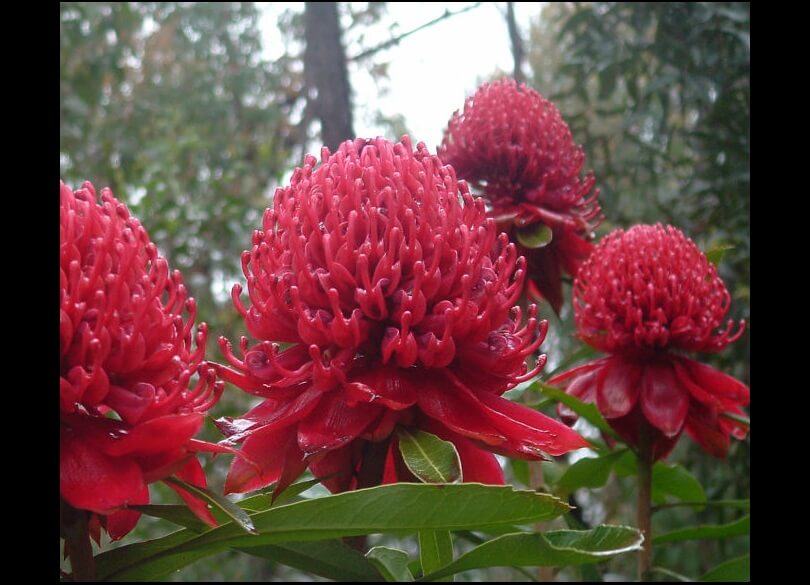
326, 74
518, 52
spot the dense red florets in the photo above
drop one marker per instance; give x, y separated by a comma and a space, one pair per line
127, 357
651, 288
644, 295
512, 143
396, 295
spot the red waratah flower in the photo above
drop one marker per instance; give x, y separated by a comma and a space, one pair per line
644, 296
513, 145
395, 296
127, 414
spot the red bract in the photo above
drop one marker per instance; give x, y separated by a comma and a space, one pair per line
396, 296
642, 296
512, 143
127, 413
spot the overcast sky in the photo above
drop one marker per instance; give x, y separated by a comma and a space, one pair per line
431, 71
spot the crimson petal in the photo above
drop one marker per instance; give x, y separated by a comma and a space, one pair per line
339, 464
261, 460
390, 387
121, 523
156, 435
664, 401
577, 371
283, 410
334, 423
581, 387
92, 480
702, 425
529, 429
192, 472
697, 392
718, 383
459, 413
617, 387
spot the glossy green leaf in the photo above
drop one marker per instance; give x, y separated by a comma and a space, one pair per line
435, 550
707, 531
429, 458
326, 558
675, 480
266, 499
667, 480
591, 472
535, 236
234, 512
738, 504
398, 508
178, 514
587, 411
551, 549
392, 563
738, 570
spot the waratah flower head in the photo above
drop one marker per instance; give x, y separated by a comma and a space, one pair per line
395, 295
512, 144
127, 357
645, 296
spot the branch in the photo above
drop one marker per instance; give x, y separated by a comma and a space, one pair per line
395, 40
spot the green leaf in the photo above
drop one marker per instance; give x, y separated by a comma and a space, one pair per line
179, 514
435, 550
429, 458
715, 253
707, 531
738, 504
535, 236
326, 558
667, 480
551, 549
675, 480
399, 508
392, 563
738, 569
591, 472
234, 512
264, 500
587, 411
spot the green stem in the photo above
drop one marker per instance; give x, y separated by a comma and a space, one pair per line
645, 465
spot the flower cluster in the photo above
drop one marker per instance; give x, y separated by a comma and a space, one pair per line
127, 358
512, 144
645, 296
394, 296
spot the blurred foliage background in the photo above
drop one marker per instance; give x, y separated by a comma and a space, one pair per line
173, 106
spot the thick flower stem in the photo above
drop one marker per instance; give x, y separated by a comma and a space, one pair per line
370, 475
371, 471
77, 542
645, 465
